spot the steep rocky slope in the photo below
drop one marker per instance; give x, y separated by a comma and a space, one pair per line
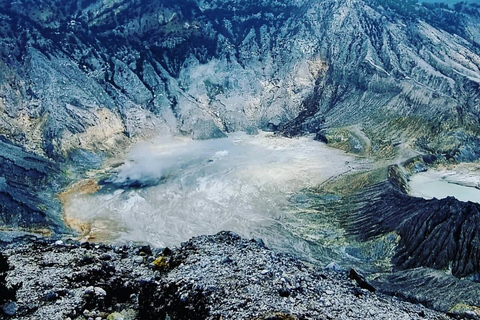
94, 76
440, 234
207, 67
422, 250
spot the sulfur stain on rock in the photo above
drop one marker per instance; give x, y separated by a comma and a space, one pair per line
464, 311
161, 263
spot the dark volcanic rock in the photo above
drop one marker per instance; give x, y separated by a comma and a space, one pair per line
27, 182
209, 277
6, 293
361, 281
419, 285
439, 234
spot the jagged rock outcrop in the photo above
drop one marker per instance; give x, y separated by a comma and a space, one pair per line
6, 294
431, 245
440, 234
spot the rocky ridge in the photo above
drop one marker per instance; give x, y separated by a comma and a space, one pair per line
60, 280
422, 250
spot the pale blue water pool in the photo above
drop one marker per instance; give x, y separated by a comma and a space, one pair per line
432, 184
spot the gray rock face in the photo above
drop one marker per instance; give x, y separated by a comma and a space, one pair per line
420, 285
27, 186
178, 65
201, 67
435, 257
384, 66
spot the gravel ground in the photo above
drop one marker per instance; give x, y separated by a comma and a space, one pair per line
209, 277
